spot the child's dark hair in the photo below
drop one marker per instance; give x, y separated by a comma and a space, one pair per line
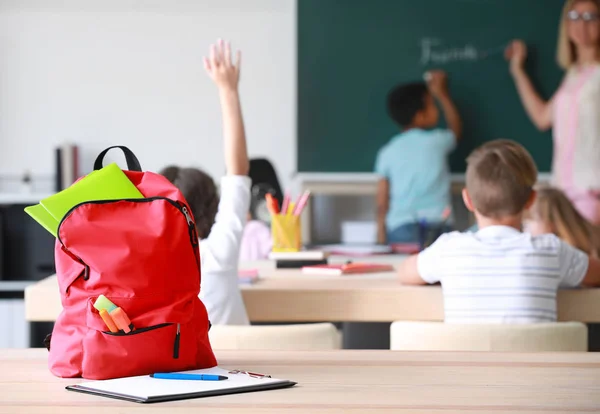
404, 101
199, 191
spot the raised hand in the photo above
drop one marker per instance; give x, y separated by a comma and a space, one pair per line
437, 81
220, 66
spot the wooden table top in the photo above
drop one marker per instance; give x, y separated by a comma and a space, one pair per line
288, 295
343, 382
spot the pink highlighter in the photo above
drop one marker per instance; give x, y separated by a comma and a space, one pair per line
118, 316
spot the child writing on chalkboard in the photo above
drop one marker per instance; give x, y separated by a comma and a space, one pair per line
414, 188
220, 218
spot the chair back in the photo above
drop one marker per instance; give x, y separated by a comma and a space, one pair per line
439, 336
304, 337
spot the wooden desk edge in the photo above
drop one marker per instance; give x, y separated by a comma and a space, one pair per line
336, 305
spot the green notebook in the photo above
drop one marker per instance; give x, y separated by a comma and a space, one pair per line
108, 183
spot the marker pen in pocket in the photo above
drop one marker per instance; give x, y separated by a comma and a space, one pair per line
119, 317
108, 321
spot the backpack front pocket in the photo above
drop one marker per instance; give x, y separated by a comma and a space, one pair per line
158, 343
164, 347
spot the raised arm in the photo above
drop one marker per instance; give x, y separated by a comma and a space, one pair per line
539, 110
438, 86
221, 248
226, 74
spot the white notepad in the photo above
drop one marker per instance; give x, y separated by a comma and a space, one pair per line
144, 389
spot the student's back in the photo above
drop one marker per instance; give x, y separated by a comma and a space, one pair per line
416, 165
501, 275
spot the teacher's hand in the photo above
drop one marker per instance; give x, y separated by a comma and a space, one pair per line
516, 54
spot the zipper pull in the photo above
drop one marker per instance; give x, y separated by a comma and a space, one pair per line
176, 344
187, 215
191, 225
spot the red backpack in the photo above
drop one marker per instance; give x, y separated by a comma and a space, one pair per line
143, 256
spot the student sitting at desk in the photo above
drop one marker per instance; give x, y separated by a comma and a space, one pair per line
415, 176
220, 222
499, 274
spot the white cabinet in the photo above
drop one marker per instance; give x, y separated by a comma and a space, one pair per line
14, 329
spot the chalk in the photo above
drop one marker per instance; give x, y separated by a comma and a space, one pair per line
427, 76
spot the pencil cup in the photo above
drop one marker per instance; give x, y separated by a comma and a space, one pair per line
285, 231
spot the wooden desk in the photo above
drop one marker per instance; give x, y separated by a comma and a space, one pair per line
290, 296
344, 382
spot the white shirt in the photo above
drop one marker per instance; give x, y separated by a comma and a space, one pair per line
219, 253
500, 275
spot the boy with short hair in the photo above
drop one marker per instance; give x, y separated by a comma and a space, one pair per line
499, 274
415, 176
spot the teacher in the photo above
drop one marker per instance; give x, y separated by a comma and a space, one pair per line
574, 110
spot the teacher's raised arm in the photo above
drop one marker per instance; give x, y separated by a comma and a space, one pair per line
574, 110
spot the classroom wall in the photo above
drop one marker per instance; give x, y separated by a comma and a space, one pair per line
130, 72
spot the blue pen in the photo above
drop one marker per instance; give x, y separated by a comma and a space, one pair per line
188, 377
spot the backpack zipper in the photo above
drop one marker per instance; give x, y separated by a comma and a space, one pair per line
182, 208
138, 331
192, 231
176, 344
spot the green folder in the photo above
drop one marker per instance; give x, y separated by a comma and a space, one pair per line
41, 215
108, 183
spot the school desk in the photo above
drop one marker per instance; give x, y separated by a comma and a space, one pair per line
343, 382
290, 296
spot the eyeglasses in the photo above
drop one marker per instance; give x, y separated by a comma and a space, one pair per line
575, 16
250, 374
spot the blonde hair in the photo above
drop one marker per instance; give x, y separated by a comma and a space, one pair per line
566, 54
500, 178
555, 210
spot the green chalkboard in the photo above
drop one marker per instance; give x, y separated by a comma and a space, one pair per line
351, 52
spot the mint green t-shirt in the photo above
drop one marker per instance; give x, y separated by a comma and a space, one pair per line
415, 163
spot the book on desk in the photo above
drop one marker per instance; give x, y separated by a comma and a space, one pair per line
297, 260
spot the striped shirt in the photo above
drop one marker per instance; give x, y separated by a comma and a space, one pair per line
500, 275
